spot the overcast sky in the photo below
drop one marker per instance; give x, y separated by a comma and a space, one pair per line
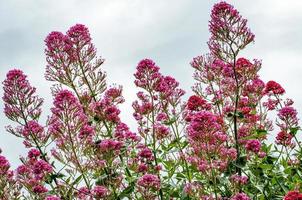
171, 32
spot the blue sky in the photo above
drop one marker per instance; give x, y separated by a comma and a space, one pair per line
171, 32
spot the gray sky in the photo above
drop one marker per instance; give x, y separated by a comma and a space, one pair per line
171, 32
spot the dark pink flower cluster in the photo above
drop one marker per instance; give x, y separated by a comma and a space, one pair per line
20, 100
284, 138
208, 141
196, 103
4, 165
253, 145
149, 182
147, 74
100, 192
289, 115
239, 180
66, 108
106, 109
229, 32
109, 146
293, 195
71, 60
273, 88
194, 150
161, 97
33, 172
240, 196
52, 197
122, 132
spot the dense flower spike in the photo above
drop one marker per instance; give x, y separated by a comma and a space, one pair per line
215, 146
72, 61
148, 184
20, 101
229, 32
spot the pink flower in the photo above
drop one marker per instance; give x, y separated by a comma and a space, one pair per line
253, 145
39, 189
57, 42
274, 88
244, 67
22, 169
284, 138
149, 181
240, 196
109, 145
35, 129
115, 95
67, 108
4, 165
202, 126
122, 132
142, 167
162, 117
42, 166
20, 101
146, 153
52, 198
161, 131
147, 74
79, 34
34, 153
86, 132
240, 180
293, 195
196, 103
227, 25
289, 115
100, 191
83, 193
59, 56
104, 110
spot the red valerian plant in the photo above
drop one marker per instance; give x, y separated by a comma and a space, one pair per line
212, 146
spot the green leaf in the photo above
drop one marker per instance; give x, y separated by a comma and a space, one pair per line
170, 122
294, 130
127, 191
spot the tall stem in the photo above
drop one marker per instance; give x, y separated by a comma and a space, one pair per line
235, 114
154, 141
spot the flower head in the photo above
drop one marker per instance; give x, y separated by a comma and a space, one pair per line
273, 87
149, 181
100, 191
20, 101
253, 145
226, 26
293, 195
4, 165
196, 103
240, 196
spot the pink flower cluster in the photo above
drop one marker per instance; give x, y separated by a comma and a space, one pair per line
228, 26
240, 196
293, 195
34, 171
4, 165
20, 101
149, 182
273, 88
208, 141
